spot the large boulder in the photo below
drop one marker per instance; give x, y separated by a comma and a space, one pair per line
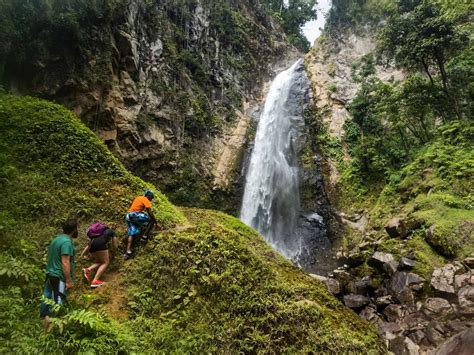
406, 264
361, 287
436, 307
370, 314
402, 284
402, 345
383, 301
384, 262
396, 228
442, 279
394, 312
333, 286
469, 262
466, 300
356, 301
459, 344
462, 280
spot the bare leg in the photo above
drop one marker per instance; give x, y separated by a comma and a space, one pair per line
129, 244
93, 266
102, 257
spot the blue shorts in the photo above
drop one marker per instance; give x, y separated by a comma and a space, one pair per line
135, 221
55, 291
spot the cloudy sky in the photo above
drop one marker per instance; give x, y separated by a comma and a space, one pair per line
312, 29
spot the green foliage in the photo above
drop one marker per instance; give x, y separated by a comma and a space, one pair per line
420, 36
353, 14
292, 17
230, 290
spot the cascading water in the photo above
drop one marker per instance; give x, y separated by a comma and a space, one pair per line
271, 202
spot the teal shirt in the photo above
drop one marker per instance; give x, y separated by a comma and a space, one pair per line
61, 245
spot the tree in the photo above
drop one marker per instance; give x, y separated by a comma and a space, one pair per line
418, 36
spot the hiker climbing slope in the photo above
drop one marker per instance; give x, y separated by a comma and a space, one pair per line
60, 268
100, 236
140, 219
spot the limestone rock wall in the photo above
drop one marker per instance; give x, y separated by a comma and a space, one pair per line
167, 86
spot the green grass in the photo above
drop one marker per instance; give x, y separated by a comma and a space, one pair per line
206, 283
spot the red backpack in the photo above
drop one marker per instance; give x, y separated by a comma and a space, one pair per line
96, 229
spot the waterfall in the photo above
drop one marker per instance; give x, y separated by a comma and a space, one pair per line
271, 202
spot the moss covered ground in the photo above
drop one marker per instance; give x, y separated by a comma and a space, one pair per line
205, 283
434, 190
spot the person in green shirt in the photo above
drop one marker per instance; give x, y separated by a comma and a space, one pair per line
59, 269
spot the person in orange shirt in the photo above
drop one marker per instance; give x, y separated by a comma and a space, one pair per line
139, 216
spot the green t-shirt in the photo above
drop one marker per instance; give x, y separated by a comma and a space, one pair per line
61, 245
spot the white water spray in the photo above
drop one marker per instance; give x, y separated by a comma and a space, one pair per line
271, 202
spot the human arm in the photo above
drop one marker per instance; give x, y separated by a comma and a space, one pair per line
66, 266
152, 216
85, 250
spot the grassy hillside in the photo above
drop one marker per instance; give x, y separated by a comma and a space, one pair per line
205, 283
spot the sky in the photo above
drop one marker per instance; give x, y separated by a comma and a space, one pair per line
311, 28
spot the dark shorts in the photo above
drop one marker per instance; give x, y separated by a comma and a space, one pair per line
55, 292
98, 244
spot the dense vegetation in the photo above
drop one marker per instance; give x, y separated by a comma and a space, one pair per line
408, 148
292, 17
205, 283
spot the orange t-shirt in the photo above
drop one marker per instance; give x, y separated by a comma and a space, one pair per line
140, 204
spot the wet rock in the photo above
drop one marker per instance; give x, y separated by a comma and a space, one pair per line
442, 279
466, 300
384, 262
402, 345
370, 314
333, 286
396, 228
356, 301
459, 344
406, 264
436, 307
394, 312
383, 301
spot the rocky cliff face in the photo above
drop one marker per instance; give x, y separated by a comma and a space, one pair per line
167, 87
420, 302
330, 65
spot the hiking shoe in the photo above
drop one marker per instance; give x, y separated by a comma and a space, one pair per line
97, 283
127, 255
145, 238
87, 274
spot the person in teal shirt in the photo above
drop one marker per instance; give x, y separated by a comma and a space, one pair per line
59, 269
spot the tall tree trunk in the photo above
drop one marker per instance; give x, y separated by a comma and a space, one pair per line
427, 70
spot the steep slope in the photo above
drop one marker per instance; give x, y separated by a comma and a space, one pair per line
204, 284
163, 83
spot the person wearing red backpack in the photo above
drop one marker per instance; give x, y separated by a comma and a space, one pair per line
100, 237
